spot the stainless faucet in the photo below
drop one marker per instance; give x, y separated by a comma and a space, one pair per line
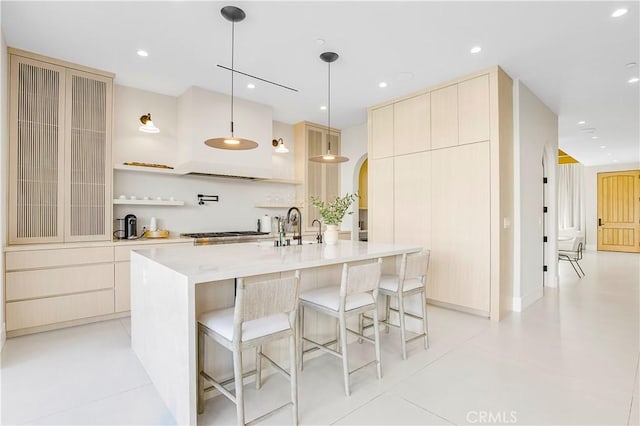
299, 217
319, 236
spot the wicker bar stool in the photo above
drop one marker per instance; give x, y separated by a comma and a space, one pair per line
357, 293
264, 311
411, 280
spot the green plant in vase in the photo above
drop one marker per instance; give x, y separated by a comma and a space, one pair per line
332, 213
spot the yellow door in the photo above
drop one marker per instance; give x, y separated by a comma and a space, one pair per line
619, 211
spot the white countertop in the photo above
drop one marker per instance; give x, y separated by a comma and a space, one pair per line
220, 262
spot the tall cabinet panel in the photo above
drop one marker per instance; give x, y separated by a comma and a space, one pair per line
473, 111
412, 199
444, 117
88, 157
461, 235
320, 180
381, 200
382, 132
411, 125
60, 151
36, 152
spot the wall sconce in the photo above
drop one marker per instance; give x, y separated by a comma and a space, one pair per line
279, 143
147, 124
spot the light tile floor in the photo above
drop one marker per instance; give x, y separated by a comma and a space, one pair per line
571, 358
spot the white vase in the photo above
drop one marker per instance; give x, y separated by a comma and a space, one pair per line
331, 234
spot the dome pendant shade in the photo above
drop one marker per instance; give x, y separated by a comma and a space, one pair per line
232, 14
329, 158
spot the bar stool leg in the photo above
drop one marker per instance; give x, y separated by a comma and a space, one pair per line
293, 371
200, 369
403, 332
388, 312
376, 331
258, 367
424, 320
300, 336
345, 358
237, 371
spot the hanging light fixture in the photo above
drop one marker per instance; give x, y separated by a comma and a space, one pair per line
279, 143
329, 158
147, 124
233, 14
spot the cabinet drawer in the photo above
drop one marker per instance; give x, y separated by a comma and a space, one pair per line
51, 310
122, 254
59, 281
122, 286
57, 257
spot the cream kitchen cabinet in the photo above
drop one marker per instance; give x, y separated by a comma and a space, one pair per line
381, 200
122, 277
473, 110
381, 131
59, 150
57, 286
454, 196
320, 180
412, 125
460, 244
412, 199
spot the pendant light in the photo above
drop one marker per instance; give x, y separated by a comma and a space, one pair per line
329, 158
233, 14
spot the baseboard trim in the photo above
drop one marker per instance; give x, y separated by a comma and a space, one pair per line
454, 307
522, 303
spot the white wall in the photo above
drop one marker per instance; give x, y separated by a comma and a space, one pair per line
591, 198
353, 145
535, 137
236, 209
4, 162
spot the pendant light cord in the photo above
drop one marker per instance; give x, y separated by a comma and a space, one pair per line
329, 110
233, 26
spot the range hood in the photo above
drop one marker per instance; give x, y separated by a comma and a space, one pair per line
203, 114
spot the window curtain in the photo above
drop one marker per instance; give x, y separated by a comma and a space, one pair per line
571, 212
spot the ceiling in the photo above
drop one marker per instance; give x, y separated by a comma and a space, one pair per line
571, 54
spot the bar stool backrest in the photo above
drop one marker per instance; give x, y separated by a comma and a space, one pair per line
265, 298
415, 265
360, 278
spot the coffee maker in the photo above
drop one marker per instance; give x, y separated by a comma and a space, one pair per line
130, 227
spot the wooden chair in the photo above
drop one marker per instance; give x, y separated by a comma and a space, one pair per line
357, 293
411, 280
264, 311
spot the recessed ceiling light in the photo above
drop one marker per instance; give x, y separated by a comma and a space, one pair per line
633, 80
588, 130
323, 107
594, 137
142, 53
631, 65
404, 76
618, 13
320, 41
382, 84
251, 86
582, 122
476, 49
603, 146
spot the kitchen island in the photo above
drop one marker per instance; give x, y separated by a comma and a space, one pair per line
171, 287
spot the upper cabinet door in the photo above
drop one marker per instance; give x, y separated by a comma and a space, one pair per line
88, 157
444, 117
412, 125
473, 110
382, 132
36, 152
